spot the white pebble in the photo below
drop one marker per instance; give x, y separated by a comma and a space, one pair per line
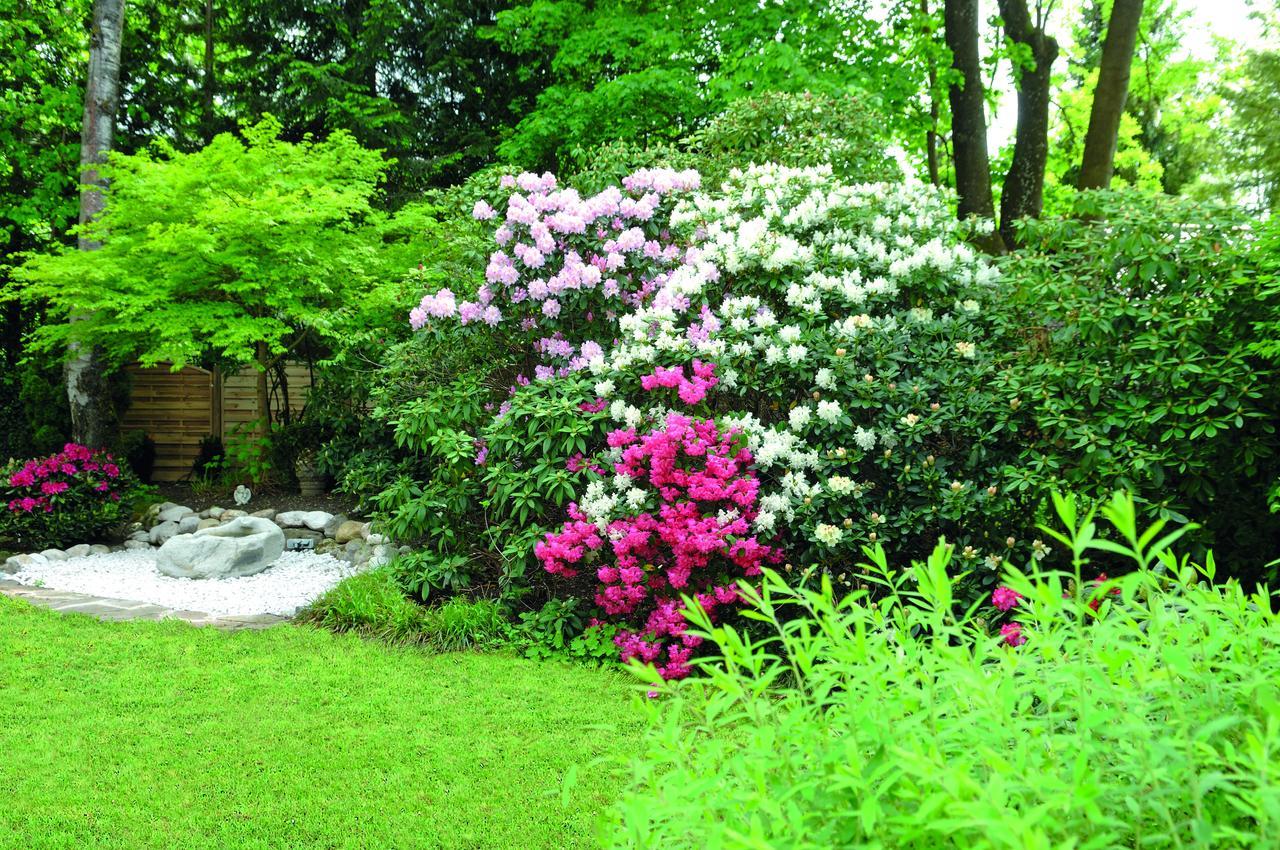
291, 582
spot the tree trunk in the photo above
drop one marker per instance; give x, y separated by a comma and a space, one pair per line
1022, 195
208, 81
1109, 95
968, 116
92, 419
264, 391
931, 135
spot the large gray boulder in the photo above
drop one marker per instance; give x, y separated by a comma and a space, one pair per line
241, 547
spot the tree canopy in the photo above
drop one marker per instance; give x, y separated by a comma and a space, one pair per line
239, 244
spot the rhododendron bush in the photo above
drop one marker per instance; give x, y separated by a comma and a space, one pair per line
73, 496
827, 348
674, 519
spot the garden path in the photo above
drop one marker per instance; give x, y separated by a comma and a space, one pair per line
103, 608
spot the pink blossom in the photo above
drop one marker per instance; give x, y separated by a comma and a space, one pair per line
1005, 598
1012, 634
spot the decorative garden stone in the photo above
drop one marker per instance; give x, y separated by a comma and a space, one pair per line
348, 531
242, 495
242, 547
314, 520
175, 513
163, 532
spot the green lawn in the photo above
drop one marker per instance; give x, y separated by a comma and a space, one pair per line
142, 735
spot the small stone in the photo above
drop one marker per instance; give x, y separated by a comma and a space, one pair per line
11, 564
328, 547
234, 513
356, 552
99, 549
188, 524
265, 513
375, 539
136, 544
208, 523
140, 535
163, 532
381, 556
303, 534
80, 550
335, 522
175, 513
348, 531
54, 554
215, 512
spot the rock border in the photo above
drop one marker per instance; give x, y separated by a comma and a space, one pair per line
350, 540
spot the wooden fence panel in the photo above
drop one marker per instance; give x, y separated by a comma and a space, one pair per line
176, 409
240, 396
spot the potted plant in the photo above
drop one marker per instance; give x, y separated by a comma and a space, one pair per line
311, 478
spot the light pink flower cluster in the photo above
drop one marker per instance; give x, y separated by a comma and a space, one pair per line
438, 305
37, 482
571, 265
698, 541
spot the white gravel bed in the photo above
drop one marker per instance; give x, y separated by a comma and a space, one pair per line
291, 582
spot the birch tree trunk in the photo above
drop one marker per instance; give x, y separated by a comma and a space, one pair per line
92, 418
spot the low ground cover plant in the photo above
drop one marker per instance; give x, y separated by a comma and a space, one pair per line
1137, 712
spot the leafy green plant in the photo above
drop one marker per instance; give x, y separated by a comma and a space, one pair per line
564, 628
465, 624
422, 572
370, 604
892, 718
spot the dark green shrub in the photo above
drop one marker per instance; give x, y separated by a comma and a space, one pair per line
1140, 367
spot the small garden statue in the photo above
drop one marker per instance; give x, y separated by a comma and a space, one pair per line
242, 495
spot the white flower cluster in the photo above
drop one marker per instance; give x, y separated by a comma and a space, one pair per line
789, 267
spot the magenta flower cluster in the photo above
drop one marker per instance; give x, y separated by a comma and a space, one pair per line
38, 485
691, 389
567, 266
698, 541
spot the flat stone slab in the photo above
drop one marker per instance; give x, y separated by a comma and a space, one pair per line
115, 610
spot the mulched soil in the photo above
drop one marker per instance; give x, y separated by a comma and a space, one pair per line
267, 496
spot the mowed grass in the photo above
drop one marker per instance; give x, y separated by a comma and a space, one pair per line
147, 735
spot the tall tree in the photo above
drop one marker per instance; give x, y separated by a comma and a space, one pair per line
86, 372
968, 116
1110, 94
1034, 51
